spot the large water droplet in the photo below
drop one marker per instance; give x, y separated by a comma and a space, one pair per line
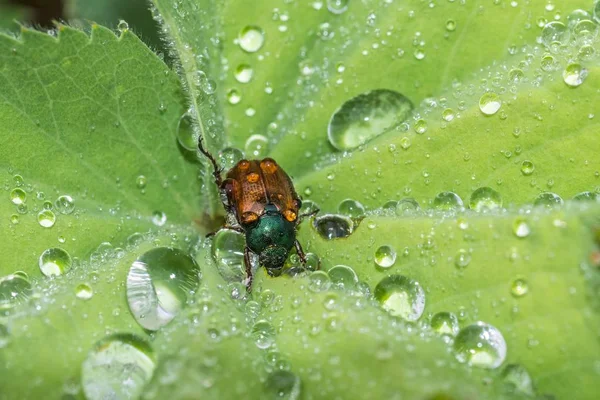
46, 218
447, 201
527, 168
385, 256
548, 199
445, 323
343, 277
489, 103
585, 196
401, 297
65, 204
574, 74
257, 146
480, 345
54, 262
251, 38
485, 198
185, 133
366, 116
351, 208
14, 289
228, 252
319, 281
118, 367
263, 334
284, 385
331, 226
229, 156
555, 34
159, 284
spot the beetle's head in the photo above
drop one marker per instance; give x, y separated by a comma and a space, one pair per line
273, 257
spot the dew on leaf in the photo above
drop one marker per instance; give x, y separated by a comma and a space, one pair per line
527, 168
251, 38
18, 196
574, 74
257, 146
445, 323
233, 96
519, 287
331, 226
14, 289
548, 199
517, 380
229, 156
401, 297
520, 228
485, 198
263, 334
118, 367
228, 252
159, 284
65, 204
159, 218
585, 196
385, 256
83, 291
489, 103
462, 258
185, 133
480, 345
283, 384
54, 261
244, 73
447, 201
319, 281
555, 33
351, 208
366, 116
342, 277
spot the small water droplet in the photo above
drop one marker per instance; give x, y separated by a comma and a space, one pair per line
65, 204
462, 258
118, 367
244, 73
122, 26
352, 209
283, 384
83, 291
447, 201
366, 116
18, 196
489, 103
574, 74
445, 323
527, 168
342, 277
141, 182
319, 281
229, 156
54, 261
185, 133
385, 256
485, 198
263, 334
251, 38
480, 345
548, 199
407, 206
520, 228
234, 96
420, 126
519, 287
257, 146
450, 25
401, 297
331, 226
159, 218
159, 284
585, 196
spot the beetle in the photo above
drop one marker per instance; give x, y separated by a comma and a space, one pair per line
261, 198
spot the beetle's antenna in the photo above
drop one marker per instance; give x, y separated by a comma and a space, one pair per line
216, 169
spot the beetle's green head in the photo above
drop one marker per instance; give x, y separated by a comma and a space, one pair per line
271, 237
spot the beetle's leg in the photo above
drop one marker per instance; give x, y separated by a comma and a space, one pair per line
216, 169
248, 266
302, 256
230, 227
309, 214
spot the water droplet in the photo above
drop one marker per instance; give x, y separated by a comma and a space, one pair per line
65, 204
450, 25
519, 287
229, 156
263, 334
485, 198
141, 182
555, 34
83, 291
448, 114
159, 218
159, 284
366, 116
228, 252
548, 199
517, 379
54, 261
574, 74
385, 256
118, 367
489, 103
319, 281
14, 219
337, 6
407, 206
332, 226
585, 196
585, 29
462, 258
527, 168
419, 53
257, 146
14, 289
283, 384
420, 126
185, 133
480, 345
244, 73
401, 297
447, 201
342, 277
351, 208
122, 26
516, 75
18, 196
445, 323
251, 38
521, 228
234, 96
